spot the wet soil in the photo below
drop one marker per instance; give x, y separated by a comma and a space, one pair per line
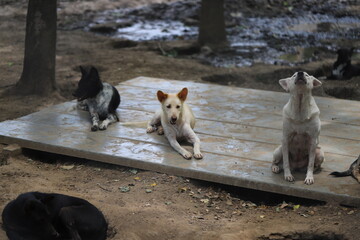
176, 208
282, 33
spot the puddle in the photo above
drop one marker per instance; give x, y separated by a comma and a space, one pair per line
155, 30
284, 36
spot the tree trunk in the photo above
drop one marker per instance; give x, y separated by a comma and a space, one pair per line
38, 76
212, 23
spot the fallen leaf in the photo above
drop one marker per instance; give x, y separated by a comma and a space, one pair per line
205, 200
183, 189
262, 216
296, 207
137, 178
153, 184
311, 212
284, 205
148, 191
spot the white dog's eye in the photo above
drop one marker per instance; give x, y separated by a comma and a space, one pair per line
177, 106
168, 106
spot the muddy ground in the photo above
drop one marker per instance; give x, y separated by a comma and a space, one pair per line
176, 208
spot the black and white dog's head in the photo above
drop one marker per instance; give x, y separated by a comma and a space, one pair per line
89, 85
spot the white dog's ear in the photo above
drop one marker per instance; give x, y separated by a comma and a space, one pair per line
316, 82
183, 94
284, 83
161, 96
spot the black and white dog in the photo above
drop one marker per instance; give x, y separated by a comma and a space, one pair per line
100, 99
342, 67
48, 216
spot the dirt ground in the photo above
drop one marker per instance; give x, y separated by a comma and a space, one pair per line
175, 208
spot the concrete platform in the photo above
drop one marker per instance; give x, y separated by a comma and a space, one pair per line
239, 129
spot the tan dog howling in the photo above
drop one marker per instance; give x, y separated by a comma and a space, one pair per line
177, 121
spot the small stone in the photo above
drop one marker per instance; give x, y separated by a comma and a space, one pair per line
133, 171
124, 189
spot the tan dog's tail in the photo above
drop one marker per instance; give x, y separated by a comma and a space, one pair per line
135, 124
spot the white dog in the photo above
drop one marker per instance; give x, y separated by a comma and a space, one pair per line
177, 121
301, 129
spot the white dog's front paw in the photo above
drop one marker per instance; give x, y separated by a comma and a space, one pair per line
275, 168
187, 155
198, 155
309, 180
150, 129
289, 177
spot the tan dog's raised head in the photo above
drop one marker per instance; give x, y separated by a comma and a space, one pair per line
300, 82
172, 104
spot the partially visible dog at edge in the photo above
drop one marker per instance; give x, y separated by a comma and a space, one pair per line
50, 216
354, 171
301, 129
177, 121
99, 98
343, 69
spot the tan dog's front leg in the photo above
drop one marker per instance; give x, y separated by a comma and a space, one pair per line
174, 143
193, 138
310, 169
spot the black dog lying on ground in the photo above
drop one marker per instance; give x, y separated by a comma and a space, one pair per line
353, 171
100, 99
342, 68
42, 216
